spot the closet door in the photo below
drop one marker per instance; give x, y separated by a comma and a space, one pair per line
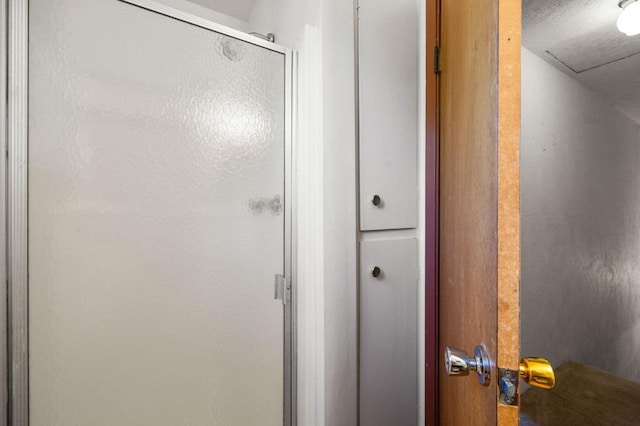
388, 52
389, 332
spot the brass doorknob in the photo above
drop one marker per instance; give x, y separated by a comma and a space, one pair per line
537, 372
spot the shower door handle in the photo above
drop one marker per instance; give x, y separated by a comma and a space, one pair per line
282, 288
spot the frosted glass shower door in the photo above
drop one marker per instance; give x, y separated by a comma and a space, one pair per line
156, 220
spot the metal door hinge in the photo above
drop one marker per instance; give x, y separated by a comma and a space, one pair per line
508, 386
436, 60
282, 289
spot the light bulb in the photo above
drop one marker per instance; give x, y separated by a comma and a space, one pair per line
629, 19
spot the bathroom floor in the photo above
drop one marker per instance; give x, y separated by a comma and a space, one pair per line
583, 396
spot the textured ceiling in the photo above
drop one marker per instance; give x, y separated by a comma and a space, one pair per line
580, 38
239, 9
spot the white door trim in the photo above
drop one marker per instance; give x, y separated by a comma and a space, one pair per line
310, 266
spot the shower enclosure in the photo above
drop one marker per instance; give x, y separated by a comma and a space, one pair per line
149, 205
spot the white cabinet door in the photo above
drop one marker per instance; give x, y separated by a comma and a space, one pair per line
389, 333
156, 222
388, 75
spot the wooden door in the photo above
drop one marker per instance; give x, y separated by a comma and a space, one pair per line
479, 201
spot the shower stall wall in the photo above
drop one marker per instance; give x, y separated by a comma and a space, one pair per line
159, 219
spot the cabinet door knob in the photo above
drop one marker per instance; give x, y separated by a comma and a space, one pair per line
376, 200
376, 271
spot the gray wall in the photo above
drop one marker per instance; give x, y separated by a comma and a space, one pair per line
580, 225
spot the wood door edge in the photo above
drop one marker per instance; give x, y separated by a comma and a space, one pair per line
509, 105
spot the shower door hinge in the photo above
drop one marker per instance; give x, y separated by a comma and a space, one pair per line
282, 289
436, 60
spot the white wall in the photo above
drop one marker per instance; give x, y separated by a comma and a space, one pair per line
580, 225
339, 126
284, 18
206, 13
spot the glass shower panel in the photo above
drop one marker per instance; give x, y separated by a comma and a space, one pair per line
156, 223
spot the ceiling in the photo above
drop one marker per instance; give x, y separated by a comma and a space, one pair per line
580, 38
239, 9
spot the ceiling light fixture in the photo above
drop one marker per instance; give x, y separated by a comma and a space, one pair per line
629, 19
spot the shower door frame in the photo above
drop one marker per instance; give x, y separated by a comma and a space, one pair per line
14, 125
